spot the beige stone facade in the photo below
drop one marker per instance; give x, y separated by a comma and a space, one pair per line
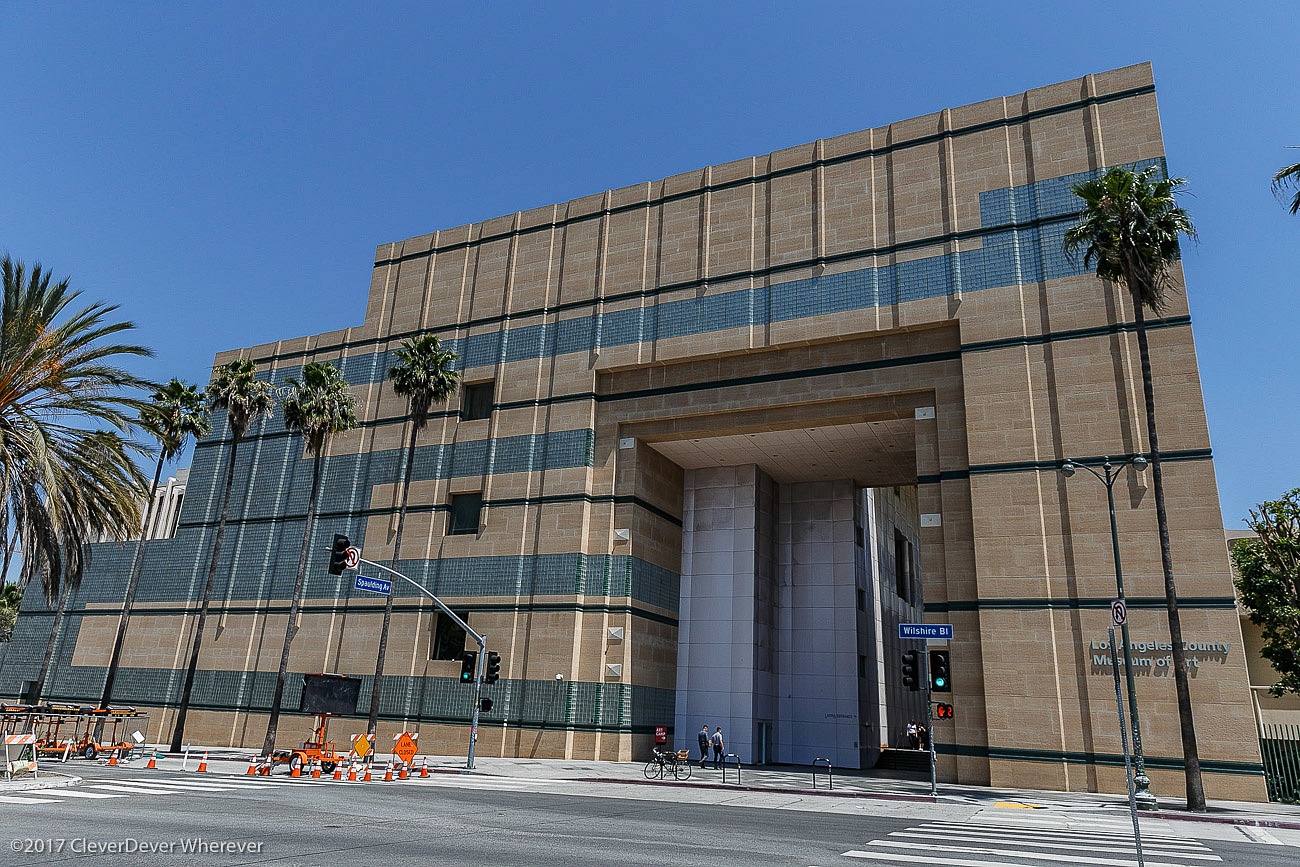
902, 288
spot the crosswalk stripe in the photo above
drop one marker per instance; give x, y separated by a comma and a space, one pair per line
1019, 853
973, 862
205, 786
1054, 834
1040, 833
133, 788
20, 799
1097, 845
77, 793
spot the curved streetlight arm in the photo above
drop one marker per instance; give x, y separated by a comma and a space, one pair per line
481, 640
1110, 471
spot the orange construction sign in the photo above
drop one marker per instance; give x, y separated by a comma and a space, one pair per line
405, 748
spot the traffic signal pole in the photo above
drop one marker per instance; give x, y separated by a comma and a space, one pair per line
929, 727
481, 640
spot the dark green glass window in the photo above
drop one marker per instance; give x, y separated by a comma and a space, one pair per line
465, 511
477, 400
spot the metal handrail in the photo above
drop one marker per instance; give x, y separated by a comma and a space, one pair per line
830, 775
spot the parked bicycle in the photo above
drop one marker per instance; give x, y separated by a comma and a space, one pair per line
666, 763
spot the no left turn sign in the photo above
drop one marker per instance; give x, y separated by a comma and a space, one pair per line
1118, 612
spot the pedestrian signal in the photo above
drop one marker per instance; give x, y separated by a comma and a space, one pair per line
943, 711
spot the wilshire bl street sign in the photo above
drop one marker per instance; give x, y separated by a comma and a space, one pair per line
929, 631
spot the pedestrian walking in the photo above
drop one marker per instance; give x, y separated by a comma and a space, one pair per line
716, 741
703, 738
913, 735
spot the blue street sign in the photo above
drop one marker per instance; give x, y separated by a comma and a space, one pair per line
373, 585
934, 631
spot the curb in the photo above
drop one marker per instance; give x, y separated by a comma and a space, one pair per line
1222, 820
825, 793
59, 782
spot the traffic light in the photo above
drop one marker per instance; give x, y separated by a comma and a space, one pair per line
940, 678
485, 704
910, 679
943, 711
468, 662
493, 673
338, 553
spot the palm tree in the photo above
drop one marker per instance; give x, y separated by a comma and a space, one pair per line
424, 376
319, 407
60, 383
97, 493
1288, 176
176, 414
237, 390
1129, 230
67, 475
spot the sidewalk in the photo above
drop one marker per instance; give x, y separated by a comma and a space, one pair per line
774, 779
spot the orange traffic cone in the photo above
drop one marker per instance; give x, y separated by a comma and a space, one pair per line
252, 767
338, 772
424, 768
366, 777
203, 765
388, 773
295, 768
112, 759
405, 773
153, 762
315, 769
266, 767
352, 772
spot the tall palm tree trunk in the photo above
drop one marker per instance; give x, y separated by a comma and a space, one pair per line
178, 733
49, 645
388, 604
1186, 725
131, 583
291, 630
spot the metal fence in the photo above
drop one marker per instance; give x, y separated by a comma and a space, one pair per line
1280, 747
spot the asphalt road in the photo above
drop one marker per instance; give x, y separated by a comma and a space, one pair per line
281, 822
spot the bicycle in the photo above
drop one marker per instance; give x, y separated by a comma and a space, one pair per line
666, 762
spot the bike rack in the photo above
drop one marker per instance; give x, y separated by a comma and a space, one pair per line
728, 757
830, 777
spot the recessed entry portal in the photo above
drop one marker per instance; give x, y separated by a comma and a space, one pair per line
800, 556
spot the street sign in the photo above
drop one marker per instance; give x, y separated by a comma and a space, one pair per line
361, 745
927, 631
1118, 612
405, 748
352, 557
373, 585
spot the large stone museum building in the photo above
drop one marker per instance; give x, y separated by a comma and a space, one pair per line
718, 435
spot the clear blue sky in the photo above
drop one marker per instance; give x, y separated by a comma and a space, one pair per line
225, 172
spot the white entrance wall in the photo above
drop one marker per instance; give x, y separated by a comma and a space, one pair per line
769, 628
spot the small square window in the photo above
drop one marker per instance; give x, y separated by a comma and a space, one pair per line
448, 638
476, 401
465, 512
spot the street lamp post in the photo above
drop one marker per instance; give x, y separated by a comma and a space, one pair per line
1110, 472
